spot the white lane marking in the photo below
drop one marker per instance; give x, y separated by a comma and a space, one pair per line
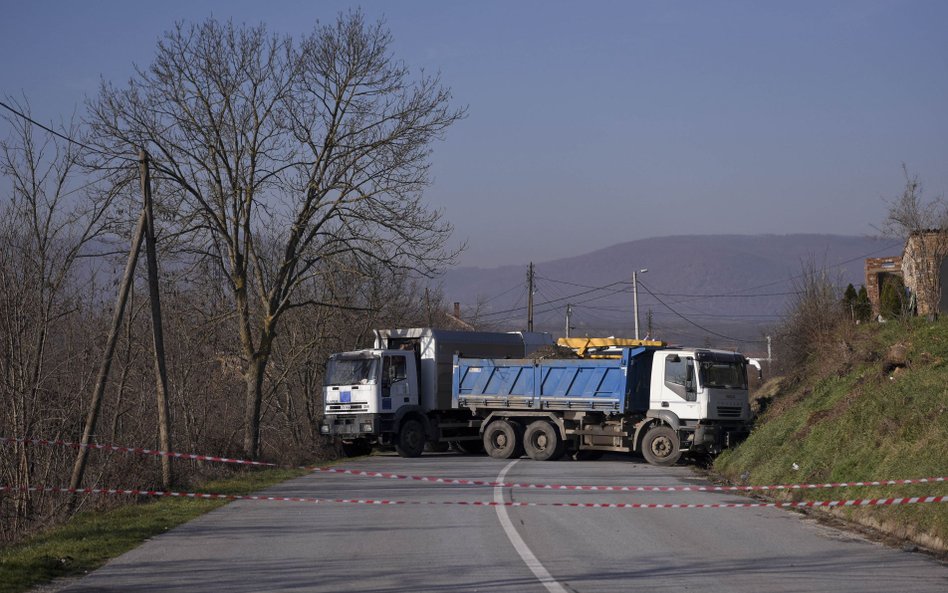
538, 570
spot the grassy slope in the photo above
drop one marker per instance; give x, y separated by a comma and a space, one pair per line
851, 420
91, 538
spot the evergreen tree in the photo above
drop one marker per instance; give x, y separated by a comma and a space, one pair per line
862, 306
890, 305
849, 301
850, 296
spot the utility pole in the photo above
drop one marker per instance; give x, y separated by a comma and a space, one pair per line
768, 349
161, 372
144, 233
79, 467
635, 297
569, 313
428, 305
530, 298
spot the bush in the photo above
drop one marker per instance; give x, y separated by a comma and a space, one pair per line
815, 316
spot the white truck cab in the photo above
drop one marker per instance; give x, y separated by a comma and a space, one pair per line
363, 388
701, 390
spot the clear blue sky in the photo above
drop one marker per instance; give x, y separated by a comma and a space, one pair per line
598, 122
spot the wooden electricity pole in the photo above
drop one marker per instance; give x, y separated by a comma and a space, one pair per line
530, 298
79, 467
161, 373
144, 231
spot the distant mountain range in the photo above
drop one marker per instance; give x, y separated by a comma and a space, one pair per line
720, 290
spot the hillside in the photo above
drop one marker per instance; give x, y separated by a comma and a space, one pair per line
735, 285
874, 406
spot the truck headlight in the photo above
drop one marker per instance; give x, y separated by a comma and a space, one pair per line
367, 428
324, 429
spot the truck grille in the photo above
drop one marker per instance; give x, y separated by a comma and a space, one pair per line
356, 407
728, 412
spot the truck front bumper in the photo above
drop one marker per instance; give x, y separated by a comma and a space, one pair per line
351, 426
714, 438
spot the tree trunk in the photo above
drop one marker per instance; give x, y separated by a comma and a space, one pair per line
254, 375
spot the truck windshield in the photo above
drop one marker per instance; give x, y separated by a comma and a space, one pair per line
723, 375
351, 370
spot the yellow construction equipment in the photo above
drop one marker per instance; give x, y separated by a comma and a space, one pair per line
604, 347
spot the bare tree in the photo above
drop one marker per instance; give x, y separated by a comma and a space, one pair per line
49, 216
281, 156
924, 225
814, 318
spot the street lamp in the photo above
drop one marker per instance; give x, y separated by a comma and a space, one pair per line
635, 297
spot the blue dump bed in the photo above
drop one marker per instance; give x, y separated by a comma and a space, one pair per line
606, 385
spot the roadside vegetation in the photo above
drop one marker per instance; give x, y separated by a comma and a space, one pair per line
870, 402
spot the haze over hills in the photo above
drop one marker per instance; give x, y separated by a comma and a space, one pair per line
721, 290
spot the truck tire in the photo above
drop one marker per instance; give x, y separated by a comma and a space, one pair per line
660, 446
411, 439
503, 439
542, 442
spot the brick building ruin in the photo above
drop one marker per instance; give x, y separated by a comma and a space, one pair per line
922, 267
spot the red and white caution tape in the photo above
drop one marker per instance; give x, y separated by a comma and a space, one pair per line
137, 451
463, 482
862, 502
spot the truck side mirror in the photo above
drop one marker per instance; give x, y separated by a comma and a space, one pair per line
756, 364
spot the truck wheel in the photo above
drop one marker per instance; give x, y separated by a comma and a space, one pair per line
542, 442
660, 446
411, 439
502, 439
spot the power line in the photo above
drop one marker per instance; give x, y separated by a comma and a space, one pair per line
580, 285
675, 294
696, 314
702, 328
592, 289
63, 136
561, 299
508, 291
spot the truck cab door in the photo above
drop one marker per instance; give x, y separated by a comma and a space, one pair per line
679, 389
398, 382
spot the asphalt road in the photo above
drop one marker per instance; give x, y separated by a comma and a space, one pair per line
290, 546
